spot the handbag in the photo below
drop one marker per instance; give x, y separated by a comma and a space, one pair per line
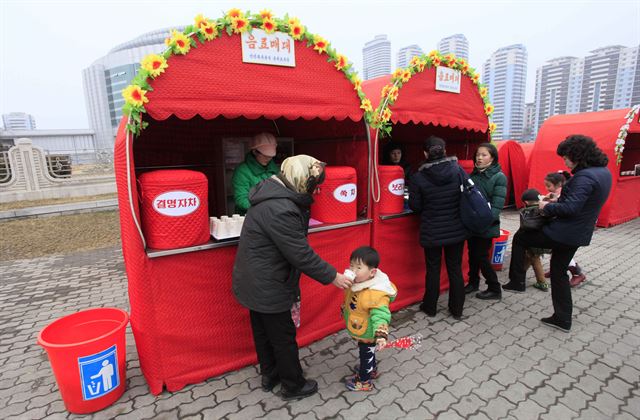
475, 210
532, 219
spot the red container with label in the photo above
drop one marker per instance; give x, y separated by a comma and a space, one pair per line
336, 200
174, 209
391, 189
498, 249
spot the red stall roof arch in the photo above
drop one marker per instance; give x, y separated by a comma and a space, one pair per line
211, 80
420, 103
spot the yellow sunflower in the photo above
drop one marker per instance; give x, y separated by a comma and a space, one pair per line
209, 31
296, 31
268, 25
488, 109
357, 84
341, 62
239, 24
320, 44
154, 64
135, 95
266, 14
365, 105
180, 42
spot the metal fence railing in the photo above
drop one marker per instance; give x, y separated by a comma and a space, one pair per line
5, 168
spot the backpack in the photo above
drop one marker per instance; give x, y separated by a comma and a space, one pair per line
475, 210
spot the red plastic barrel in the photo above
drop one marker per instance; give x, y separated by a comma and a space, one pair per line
391, 189
87, 354
336, 200
498, 250
174, 209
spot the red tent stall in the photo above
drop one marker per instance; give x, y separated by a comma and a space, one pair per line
411, 109
202, 108
527, 148
611, 130
514, 165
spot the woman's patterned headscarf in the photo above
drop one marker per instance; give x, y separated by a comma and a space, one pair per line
298, 169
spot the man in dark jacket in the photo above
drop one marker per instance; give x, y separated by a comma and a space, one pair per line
434, 193
272, 253
574, 218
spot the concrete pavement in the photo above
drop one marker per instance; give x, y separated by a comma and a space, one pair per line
498, 362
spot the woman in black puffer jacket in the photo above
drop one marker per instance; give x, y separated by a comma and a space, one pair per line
434, 193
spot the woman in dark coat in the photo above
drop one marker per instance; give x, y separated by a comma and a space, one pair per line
573, 219
272, 252
488, 177
434, 193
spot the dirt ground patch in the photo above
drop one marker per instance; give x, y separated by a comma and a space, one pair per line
36, 203
30, 238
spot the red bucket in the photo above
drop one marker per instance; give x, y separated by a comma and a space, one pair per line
87, 354
498, 250
391, 189
336, 201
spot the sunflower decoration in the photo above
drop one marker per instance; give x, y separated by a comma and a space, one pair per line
488, 109
179, 42
320, 44
492, 127
234, 21
155, 64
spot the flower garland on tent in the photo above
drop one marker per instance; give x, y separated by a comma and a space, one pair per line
622, 135
382, 115
204, 30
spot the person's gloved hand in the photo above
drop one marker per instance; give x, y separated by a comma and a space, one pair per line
380, 343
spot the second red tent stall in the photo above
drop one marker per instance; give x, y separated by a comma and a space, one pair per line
416, 110
201, 112
607, 128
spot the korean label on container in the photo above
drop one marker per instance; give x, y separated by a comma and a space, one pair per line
176, 203
99, 373
396, 186
275, 49
448, 79
345, 193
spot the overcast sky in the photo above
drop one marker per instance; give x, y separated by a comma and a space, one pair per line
45, 45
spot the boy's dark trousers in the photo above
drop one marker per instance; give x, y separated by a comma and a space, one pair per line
274, 336
367, 360
479, 263
561, 255
453, 261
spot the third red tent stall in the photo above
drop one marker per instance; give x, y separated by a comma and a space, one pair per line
610, 130
204, 105
413, 109
514, 165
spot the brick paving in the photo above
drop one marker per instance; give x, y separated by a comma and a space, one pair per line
498, 362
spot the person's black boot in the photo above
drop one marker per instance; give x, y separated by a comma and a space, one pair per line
489, 295
512, 287
309, 388
554, 323
470, 288
268, 383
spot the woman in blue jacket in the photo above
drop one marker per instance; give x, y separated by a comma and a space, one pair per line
573, 219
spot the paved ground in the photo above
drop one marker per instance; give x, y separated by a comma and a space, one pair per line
499, 362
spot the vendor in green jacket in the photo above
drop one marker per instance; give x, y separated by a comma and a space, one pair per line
258, 165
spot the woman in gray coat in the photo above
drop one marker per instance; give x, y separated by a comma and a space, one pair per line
272, 253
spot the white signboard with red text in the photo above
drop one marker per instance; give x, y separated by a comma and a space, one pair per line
176, 203
346, 193
396, 187
447, 79
275, 49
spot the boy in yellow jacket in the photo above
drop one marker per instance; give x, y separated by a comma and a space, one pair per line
366, 312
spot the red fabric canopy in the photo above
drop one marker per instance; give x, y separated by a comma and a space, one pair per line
514, 165
527, 148
211, 80
419, 102
624, 201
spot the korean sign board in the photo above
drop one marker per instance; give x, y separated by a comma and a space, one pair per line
447, 79
276, 49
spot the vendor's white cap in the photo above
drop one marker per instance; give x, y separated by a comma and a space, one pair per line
265, 143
